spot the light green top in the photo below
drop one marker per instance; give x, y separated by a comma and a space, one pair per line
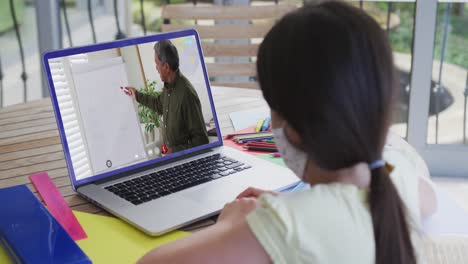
331, 223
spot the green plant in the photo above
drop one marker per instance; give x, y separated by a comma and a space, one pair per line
150, 118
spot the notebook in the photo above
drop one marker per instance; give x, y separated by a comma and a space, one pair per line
30, 234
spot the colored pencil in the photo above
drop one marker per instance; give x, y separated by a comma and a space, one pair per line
252, 140
260, 122
232, 135
251, 136
262, 149
260, 144
266, 124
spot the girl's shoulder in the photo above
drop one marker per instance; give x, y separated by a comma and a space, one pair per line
308, 226
331, 199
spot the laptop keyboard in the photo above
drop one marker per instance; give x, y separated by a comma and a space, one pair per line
161, 183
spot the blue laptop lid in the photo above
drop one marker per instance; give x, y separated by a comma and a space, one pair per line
30, 234
76, 180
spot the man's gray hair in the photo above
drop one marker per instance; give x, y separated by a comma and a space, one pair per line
167, 53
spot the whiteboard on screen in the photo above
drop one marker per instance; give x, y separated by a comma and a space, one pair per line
109, 119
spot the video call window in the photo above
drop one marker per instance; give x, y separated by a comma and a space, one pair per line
132, 104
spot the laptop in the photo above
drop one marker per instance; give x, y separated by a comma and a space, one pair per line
157, 162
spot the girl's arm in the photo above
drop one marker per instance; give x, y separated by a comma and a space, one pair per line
427, 197
230, 240
426, 189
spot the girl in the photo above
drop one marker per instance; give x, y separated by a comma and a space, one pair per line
327, 74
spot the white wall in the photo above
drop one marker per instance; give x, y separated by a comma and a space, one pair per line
149, 66
132, 65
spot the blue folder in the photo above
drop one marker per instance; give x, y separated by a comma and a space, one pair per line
30, 234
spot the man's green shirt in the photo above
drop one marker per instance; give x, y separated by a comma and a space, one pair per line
183, 126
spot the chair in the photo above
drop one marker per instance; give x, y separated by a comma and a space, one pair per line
451, 249
257, 22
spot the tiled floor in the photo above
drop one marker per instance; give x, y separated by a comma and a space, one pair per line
458, 189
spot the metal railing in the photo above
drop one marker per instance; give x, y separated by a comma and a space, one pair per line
120, 34
69, 34
143, 20
465, 94
63, 10
91, 21
438, 88
389, 13
436, 91
67, 23
23, 76
1, 83
404, 77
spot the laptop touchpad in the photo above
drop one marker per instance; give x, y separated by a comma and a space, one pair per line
218, 191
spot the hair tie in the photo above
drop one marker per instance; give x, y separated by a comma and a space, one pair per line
376, 164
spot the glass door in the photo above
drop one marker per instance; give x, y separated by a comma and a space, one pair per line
396, 17
437, 121
429, 39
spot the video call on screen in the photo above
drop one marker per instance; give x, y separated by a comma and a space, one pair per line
106, 128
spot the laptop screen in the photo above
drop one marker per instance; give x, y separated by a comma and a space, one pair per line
130, 103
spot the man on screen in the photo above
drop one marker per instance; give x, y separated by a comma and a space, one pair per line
183, 125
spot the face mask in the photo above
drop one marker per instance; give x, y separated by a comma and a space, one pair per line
294, 158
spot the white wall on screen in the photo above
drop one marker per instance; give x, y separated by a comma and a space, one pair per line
102, 55
109, 116
132, 64
149, 66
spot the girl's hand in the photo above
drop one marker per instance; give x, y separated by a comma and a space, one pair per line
236, 211
254, 193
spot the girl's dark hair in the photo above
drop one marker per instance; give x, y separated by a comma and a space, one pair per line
328, 70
